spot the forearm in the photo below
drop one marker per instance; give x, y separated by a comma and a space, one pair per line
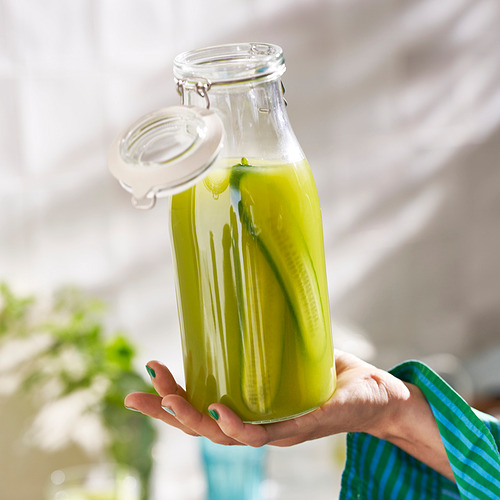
411, 426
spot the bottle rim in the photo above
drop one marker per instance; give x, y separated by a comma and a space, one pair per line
230, 63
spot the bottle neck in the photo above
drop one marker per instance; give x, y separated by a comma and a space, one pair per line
255, 120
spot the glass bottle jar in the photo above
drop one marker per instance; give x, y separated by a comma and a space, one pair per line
248, 247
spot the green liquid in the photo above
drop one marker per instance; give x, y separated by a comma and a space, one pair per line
252, 292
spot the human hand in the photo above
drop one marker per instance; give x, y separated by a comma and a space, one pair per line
366, 400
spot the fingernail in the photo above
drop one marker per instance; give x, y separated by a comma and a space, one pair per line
133, 409
151, 372
169, 410
214, 414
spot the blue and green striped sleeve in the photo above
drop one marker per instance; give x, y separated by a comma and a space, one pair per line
377, 470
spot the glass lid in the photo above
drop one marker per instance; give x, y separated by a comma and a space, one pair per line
165, 152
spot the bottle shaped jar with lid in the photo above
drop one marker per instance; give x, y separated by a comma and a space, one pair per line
247, 238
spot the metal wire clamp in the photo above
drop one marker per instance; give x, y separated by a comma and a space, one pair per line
200, 86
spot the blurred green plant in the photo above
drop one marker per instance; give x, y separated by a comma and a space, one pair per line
75, 362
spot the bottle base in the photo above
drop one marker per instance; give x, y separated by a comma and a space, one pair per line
281, 419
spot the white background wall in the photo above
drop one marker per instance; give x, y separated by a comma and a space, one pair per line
396, 104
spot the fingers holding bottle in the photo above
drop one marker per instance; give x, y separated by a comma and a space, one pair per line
162, 379
199, 423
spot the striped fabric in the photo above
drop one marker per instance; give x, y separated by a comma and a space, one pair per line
378, 470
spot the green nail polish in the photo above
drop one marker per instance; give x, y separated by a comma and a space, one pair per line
214, 414
133, 409
169, 410
151, 372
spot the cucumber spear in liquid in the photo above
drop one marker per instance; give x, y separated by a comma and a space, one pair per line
271, 223
262, 320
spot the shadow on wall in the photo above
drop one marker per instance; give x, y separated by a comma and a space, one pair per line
437, 291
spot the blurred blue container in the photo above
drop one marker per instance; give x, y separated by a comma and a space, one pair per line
233, 472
